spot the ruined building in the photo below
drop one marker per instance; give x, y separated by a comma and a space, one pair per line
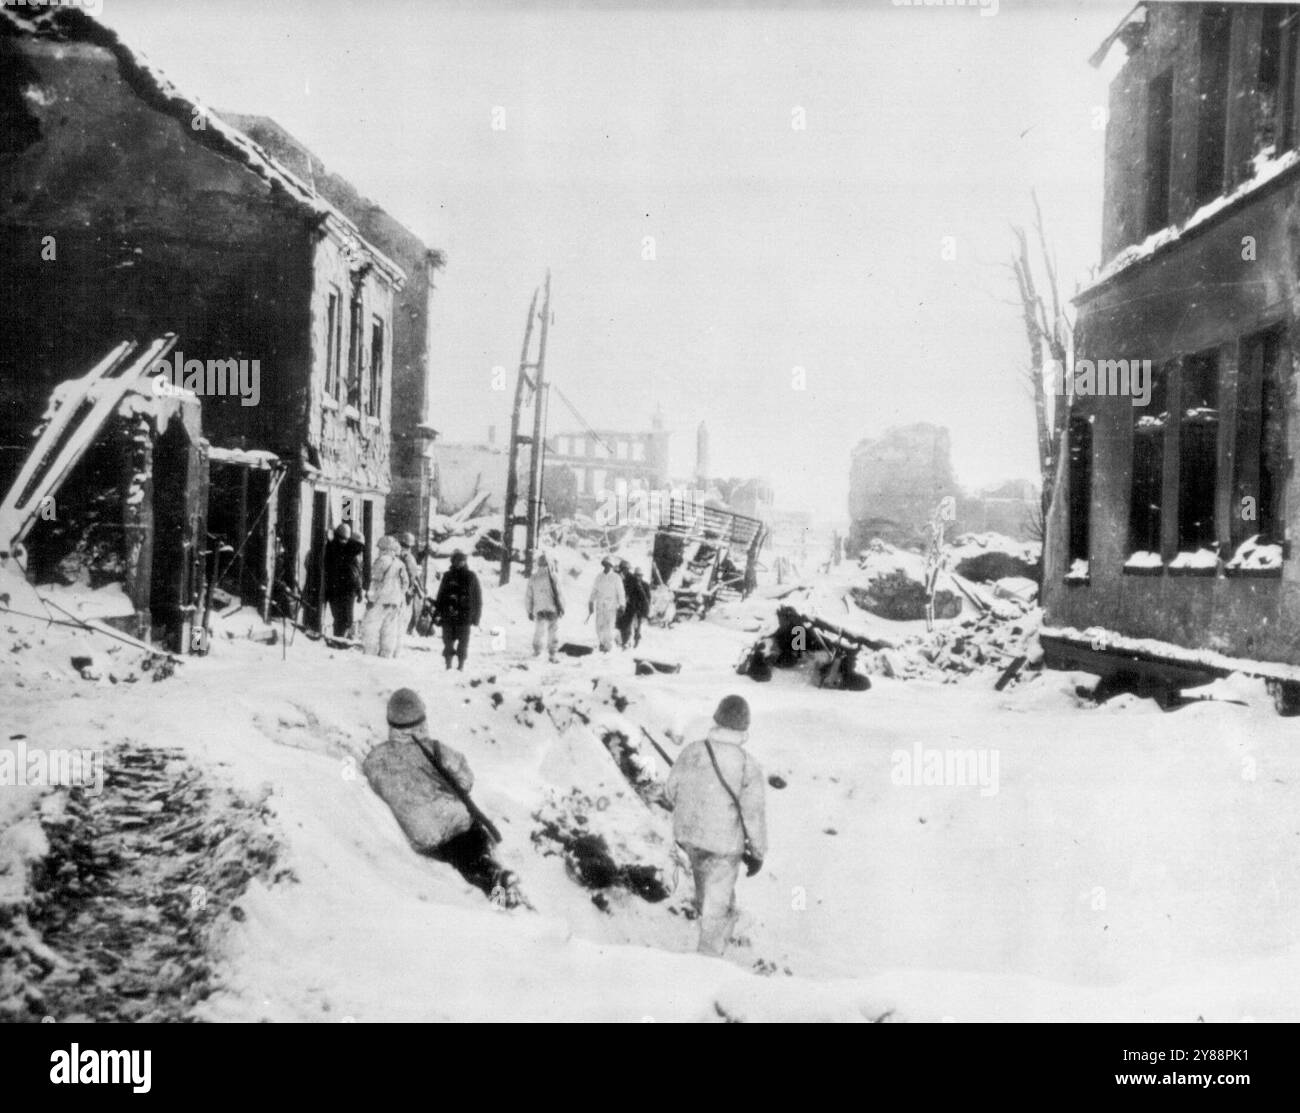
605, 463
1171, 520
411, 497
128, 211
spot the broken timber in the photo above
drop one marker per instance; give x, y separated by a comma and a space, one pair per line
67, 435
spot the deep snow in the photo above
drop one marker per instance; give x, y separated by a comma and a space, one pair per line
1130, 864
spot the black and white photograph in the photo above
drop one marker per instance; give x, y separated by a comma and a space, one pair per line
630, 512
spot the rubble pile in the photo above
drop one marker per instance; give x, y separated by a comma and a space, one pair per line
990, 642
127, 893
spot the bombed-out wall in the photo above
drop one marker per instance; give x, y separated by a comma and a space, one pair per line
1179, 485
119, 223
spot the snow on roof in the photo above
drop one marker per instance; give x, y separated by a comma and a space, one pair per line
149, 82
1268, 167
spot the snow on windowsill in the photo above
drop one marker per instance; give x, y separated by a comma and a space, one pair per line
1267, 166
1145, 563
329, 402
1253, 557
1203, 562
1078, 573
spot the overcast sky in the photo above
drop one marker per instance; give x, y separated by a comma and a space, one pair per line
775, 247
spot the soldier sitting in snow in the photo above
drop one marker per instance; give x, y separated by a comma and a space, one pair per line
426, 784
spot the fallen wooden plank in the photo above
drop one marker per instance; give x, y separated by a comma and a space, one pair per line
1009, 673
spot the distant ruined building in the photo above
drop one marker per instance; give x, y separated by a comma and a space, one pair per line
898, 479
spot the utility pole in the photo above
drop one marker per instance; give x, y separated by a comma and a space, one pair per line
536, 440
539, 438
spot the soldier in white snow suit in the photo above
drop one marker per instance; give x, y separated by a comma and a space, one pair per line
607, 601
716, 792
381, 629
545, 605
425, 802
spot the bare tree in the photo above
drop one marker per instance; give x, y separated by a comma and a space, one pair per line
1048, 330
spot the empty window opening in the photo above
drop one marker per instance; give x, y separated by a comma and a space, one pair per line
1212, 91
1080, 480
1198, 452
1259, 442
1160, 139
1146, 504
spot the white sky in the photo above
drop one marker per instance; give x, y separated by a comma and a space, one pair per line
775, 248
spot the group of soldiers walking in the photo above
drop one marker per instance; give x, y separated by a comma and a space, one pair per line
620, 600
396, 599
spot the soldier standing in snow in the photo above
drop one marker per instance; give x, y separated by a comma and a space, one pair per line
545, 606
458, 607
637, 593
381, 631
607, 601
342, 579
716, 792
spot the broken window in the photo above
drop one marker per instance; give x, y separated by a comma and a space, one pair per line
1160, 139
1147, 494
1198, 451
333, 343
1212, 90
1259, 442
376, 367
354, 355
1080, 481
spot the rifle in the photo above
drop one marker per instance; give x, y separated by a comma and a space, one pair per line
475, 813
662, 753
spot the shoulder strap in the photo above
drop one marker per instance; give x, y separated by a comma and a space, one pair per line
740, 813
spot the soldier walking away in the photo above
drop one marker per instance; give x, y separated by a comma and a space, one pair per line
427, 784
606, 603
381, 631
716, 792
636, 610
459, 606
343, 586
545, 605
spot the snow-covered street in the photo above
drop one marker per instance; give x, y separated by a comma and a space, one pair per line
1104, 862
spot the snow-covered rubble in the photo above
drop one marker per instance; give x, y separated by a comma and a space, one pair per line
1089, 885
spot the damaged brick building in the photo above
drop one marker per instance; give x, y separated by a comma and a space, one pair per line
130, 211
411, 498
1170, 524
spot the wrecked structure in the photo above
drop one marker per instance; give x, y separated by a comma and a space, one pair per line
1170, 523
703, 553
132, 211
897, 479
607, 463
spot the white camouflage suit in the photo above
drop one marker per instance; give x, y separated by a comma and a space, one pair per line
707, 825
607, 599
